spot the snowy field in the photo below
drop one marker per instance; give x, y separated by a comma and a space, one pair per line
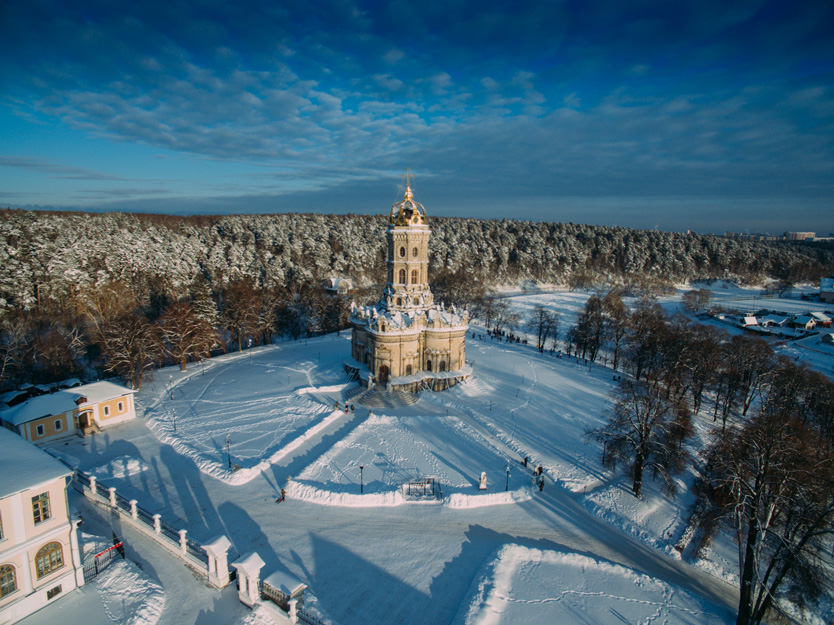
468, 556
522, 586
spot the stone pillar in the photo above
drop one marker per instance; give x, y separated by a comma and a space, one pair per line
293, 613
93, 485
134, 513
183, 544
248, 573
218, 562
157, 523
112, 490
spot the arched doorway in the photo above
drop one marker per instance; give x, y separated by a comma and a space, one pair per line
442, 365
384, 373
408, 369
428, 365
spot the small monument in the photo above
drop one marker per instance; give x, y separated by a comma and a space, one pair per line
482, 485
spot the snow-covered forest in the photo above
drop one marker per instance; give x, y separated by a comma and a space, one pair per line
54, 255
86, 295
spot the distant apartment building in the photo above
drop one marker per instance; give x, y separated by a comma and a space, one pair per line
799, 236
39, 556
81, 410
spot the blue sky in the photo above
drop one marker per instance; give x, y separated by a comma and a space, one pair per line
709, 116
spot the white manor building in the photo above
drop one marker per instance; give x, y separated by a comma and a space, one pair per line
407, 341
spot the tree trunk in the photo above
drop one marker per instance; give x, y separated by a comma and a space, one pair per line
637, 486
748, 571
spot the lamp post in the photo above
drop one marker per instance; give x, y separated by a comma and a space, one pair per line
171, 385
361, 478
229, 448
174, 414
507, 487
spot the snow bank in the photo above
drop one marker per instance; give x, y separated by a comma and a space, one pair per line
522, 585
218, 470
128, 596
307, 492
461, 500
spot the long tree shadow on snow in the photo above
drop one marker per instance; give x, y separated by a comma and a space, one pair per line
302, 460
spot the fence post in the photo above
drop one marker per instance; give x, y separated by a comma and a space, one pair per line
248, 572
157, 523
112, 490
218, 563
134, 513
93, 485
183, 544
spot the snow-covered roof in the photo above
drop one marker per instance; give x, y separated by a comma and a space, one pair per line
821, 317
804, 319
39, 407
63, 401
98, 392
750, 321
24, 466
286, 583
773, 320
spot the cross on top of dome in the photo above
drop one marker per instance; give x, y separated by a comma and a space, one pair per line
407, 212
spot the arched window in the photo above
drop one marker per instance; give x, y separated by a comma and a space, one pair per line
442, 365
49, 558
399, 301
413, 276
8, 581
428, 365
414, 252
402, 276
402, 252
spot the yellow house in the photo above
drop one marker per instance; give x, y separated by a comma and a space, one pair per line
39, 555
80, 410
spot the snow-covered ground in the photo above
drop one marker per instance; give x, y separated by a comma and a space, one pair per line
378, 556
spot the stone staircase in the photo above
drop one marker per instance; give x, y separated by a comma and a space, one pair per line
379, 399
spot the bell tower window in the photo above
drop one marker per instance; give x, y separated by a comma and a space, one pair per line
413, 276
402, 276
414, 252
402, 252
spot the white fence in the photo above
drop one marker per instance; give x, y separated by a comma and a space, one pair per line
209, 559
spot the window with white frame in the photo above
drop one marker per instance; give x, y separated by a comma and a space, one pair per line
121, 406
107, 411
40, 508
49, 558
39, 430
59, 425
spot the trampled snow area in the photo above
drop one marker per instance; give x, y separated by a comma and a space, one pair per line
378, 555
522, 586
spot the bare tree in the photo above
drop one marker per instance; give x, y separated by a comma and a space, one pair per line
589, 328
616, 323
131, 346
771, 483
645, 429
544, 323
15, 346
185, 335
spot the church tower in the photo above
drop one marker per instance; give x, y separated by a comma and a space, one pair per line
408, 257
